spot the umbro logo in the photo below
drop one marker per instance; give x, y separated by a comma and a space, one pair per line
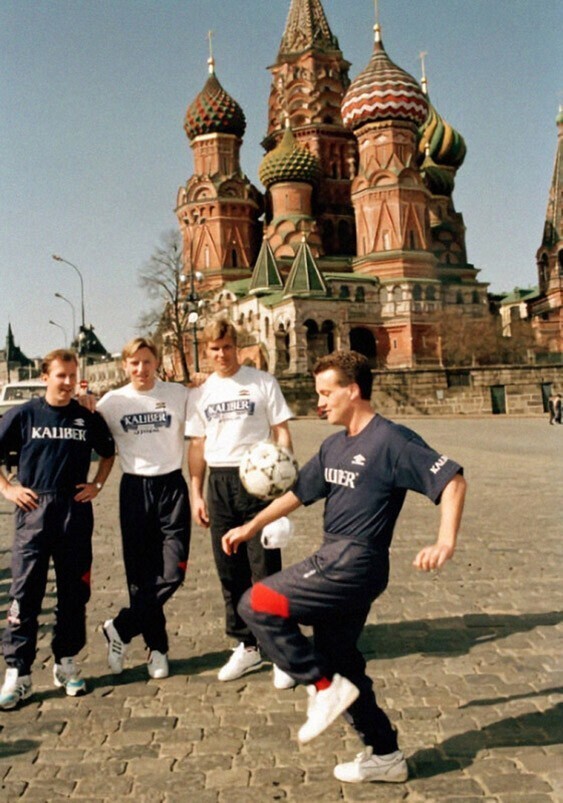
79, 422
160, 406
358, 460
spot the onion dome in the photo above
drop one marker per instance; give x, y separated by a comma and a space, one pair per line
383, 92
214, 111
289, 161
439, 180
445, 145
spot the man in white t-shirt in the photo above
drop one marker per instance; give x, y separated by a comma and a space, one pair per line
147, 419
235, 408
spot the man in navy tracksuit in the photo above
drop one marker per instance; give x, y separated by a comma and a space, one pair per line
53, 438
363, 473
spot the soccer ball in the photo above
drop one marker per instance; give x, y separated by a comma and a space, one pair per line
268, 470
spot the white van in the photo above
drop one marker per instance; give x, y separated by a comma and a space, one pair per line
14, 393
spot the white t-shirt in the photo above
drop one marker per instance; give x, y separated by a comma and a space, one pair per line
235, 412
147, 426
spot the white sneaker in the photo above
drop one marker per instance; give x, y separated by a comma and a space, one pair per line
15, 688
282, 680
157, 664
116, 647
243, 660
367, 767
66, 676
326, 705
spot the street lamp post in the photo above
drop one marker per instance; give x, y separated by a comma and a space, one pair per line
82, 333
193, 300
58, 258
63, 330
71, 305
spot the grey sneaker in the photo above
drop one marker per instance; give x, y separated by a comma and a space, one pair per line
116, 647
367, 767
243, 660
15, 688
66, 676
325, 706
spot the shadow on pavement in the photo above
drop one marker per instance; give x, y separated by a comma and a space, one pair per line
537, 729
455, 635
16, 748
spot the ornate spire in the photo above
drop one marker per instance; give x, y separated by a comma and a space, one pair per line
306, 28
553, 229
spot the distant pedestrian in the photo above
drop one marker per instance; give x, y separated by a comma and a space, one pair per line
554, 405
236, 407
53, 438
147, 418
363, 473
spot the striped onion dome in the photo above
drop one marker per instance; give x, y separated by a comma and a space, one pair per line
439, 179
383, 91
289, 161
445, 145
214, 111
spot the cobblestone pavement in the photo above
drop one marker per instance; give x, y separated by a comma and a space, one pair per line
466, 661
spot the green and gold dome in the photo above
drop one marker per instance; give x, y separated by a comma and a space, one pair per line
441, 141
289, 161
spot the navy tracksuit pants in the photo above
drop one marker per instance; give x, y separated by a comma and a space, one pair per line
155, 530
61, 529
331, 591
230, 505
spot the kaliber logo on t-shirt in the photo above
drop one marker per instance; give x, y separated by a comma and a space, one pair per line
340, 476
438, 464
237, 408
146, 422
60, 433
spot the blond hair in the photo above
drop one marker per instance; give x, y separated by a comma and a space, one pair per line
218, 329
140, 343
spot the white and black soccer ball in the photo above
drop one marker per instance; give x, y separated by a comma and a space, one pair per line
268, 470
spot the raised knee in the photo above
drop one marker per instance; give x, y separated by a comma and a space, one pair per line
264, 599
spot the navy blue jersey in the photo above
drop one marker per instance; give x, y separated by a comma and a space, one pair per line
364, 479
54, 444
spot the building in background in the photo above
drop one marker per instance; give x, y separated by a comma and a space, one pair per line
14, 364
547, 309
355, 241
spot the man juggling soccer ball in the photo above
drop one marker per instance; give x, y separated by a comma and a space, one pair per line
363, 473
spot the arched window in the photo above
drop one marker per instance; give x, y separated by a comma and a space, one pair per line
417, 292
431, 293
344, 291
360, 294
363, 341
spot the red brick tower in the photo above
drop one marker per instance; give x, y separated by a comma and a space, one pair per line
309, 80
218, 209
547, 311
384, 106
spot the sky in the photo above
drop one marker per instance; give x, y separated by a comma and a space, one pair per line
93, 95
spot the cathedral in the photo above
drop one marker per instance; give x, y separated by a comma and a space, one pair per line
353, 241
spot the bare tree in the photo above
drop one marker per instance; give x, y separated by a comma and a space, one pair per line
163, 279
479, 341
